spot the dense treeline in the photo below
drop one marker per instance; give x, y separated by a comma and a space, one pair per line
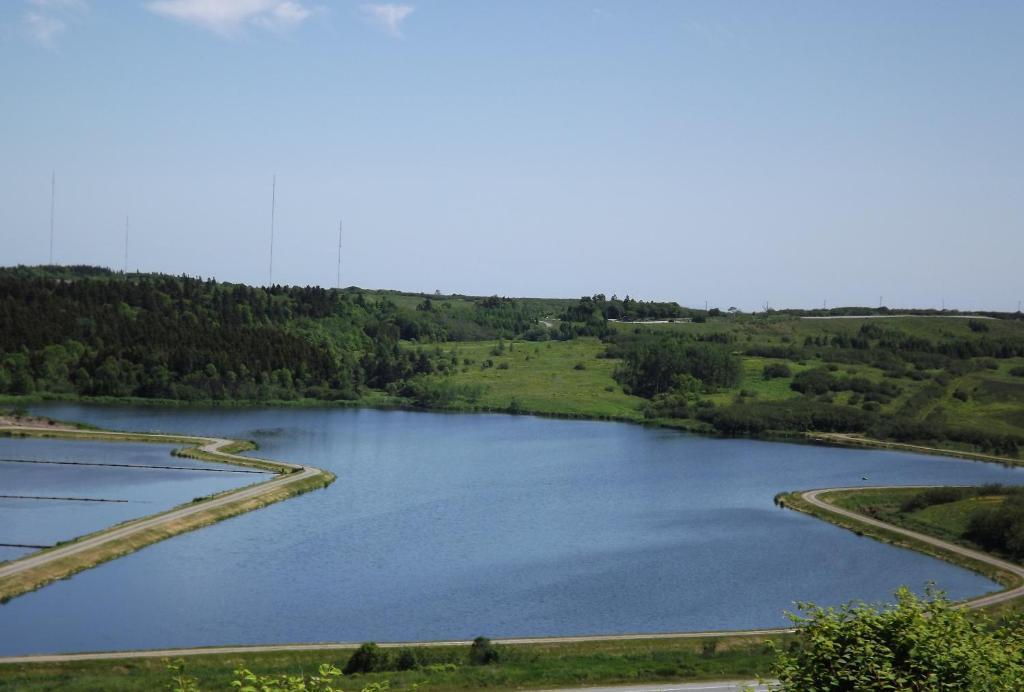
895, 351
757, 417
76, 330
597, 307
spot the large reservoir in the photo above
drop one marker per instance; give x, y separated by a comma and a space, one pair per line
452, 526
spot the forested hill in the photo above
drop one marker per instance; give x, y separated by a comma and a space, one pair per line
93, 332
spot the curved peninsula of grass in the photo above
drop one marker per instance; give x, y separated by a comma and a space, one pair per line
64, 559
835, 505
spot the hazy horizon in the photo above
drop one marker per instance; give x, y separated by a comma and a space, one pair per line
736, 153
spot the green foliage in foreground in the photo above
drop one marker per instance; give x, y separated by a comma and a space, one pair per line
326, 679
916, 644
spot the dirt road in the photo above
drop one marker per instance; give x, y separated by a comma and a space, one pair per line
813, 497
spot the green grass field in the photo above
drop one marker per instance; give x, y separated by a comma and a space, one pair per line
570, 378
550, 377
520, 667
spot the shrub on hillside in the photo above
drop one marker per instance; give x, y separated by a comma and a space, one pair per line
483, 652
368, 658
774, 370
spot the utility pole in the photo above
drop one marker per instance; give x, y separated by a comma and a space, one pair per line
337, 283
273, 201
53, 194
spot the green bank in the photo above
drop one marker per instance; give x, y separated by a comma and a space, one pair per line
521, 666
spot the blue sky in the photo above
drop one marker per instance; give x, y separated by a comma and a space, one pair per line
735, 152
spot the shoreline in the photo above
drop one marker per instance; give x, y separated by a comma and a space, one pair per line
826, 439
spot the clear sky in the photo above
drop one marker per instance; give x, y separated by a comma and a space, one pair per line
738, 152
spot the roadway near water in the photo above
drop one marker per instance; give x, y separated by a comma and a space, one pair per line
450, 526
105, 494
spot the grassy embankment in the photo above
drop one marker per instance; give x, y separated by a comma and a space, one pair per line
36, 577
947, 522
521, 666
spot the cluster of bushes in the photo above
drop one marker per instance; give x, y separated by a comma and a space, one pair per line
439, 392
754, 418
817, 381
368, 658
1001, 527
775, 370
371, 658
653, 364
770, 351
935, 427
941, 496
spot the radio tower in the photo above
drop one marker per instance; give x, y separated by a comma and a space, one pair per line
125, 271
337, 283
273, 200
53, 194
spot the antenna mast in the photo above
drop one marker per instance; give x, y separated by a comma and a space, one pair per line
337, 283
273, 202
53, 194
125, 271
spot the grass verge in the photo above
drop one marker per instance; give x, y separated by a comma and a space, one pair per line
521, 666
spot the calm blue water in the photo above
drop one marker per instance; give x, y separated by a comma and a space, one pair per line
140, 490
451, 526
